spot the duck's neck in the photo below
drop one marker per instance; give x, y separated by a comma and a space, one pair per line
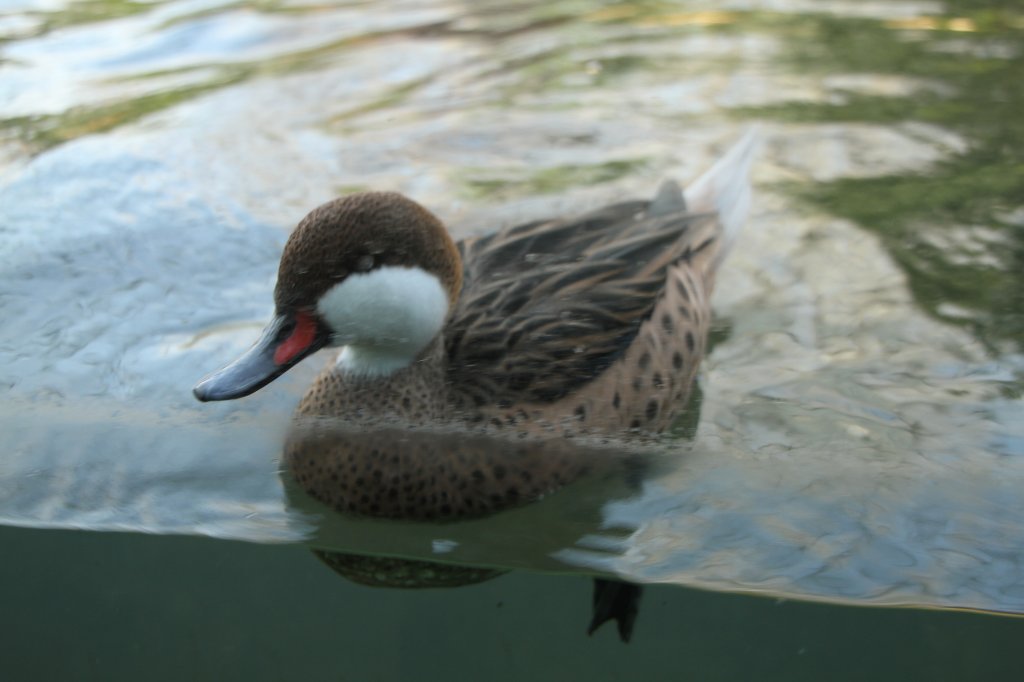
415, 392
369, 362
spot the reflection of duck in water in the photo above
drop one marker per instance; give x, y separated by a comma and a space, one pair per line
549, 330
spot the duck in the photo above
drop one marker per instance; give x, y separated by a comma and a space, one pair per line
500, 353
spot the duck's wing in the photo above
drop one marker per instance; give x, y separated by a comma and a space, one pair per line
547, 306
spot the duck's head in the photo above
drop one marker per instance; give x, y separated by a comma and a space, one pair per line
376, 273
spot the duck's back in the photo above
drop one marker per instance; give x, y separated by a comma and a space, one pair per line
597, 322
600, 319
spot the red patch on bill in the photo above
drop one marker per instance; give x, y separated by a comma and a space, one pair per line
299, 340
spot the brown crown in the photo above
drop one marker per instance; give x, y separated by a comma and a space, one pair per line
331, 243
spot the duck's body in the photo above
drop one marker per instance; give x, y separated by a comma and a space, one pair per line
554, 320
595, 324
499, 351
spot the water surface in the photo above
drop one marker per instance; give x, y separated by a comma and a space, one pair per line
860, 436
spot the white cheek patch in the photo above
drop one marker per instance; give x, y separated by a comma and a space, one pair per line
385, 317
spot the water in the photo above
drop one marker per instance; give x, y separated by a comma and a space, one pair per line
860, 432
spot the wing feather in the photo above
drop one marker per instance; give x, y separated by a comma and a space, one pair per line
548, 306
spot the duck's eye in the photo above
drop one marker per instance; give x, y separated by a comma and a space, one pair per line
365, 263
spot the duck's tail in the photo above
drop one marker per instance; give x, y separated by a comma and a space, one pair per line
725, 188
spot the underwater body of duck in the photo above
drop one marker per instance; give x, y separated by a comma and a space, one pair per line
532, 342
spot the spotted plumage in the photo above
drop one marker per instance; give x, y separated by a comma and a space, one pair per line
470, 401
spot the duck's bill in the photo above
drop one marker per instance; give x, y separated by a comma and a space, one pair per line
286, 340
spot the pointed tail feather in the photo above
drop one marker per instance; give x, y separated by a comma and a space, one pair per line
725, 188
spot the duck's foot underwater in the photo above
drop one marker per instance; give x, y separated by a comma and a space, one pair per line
615, 600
